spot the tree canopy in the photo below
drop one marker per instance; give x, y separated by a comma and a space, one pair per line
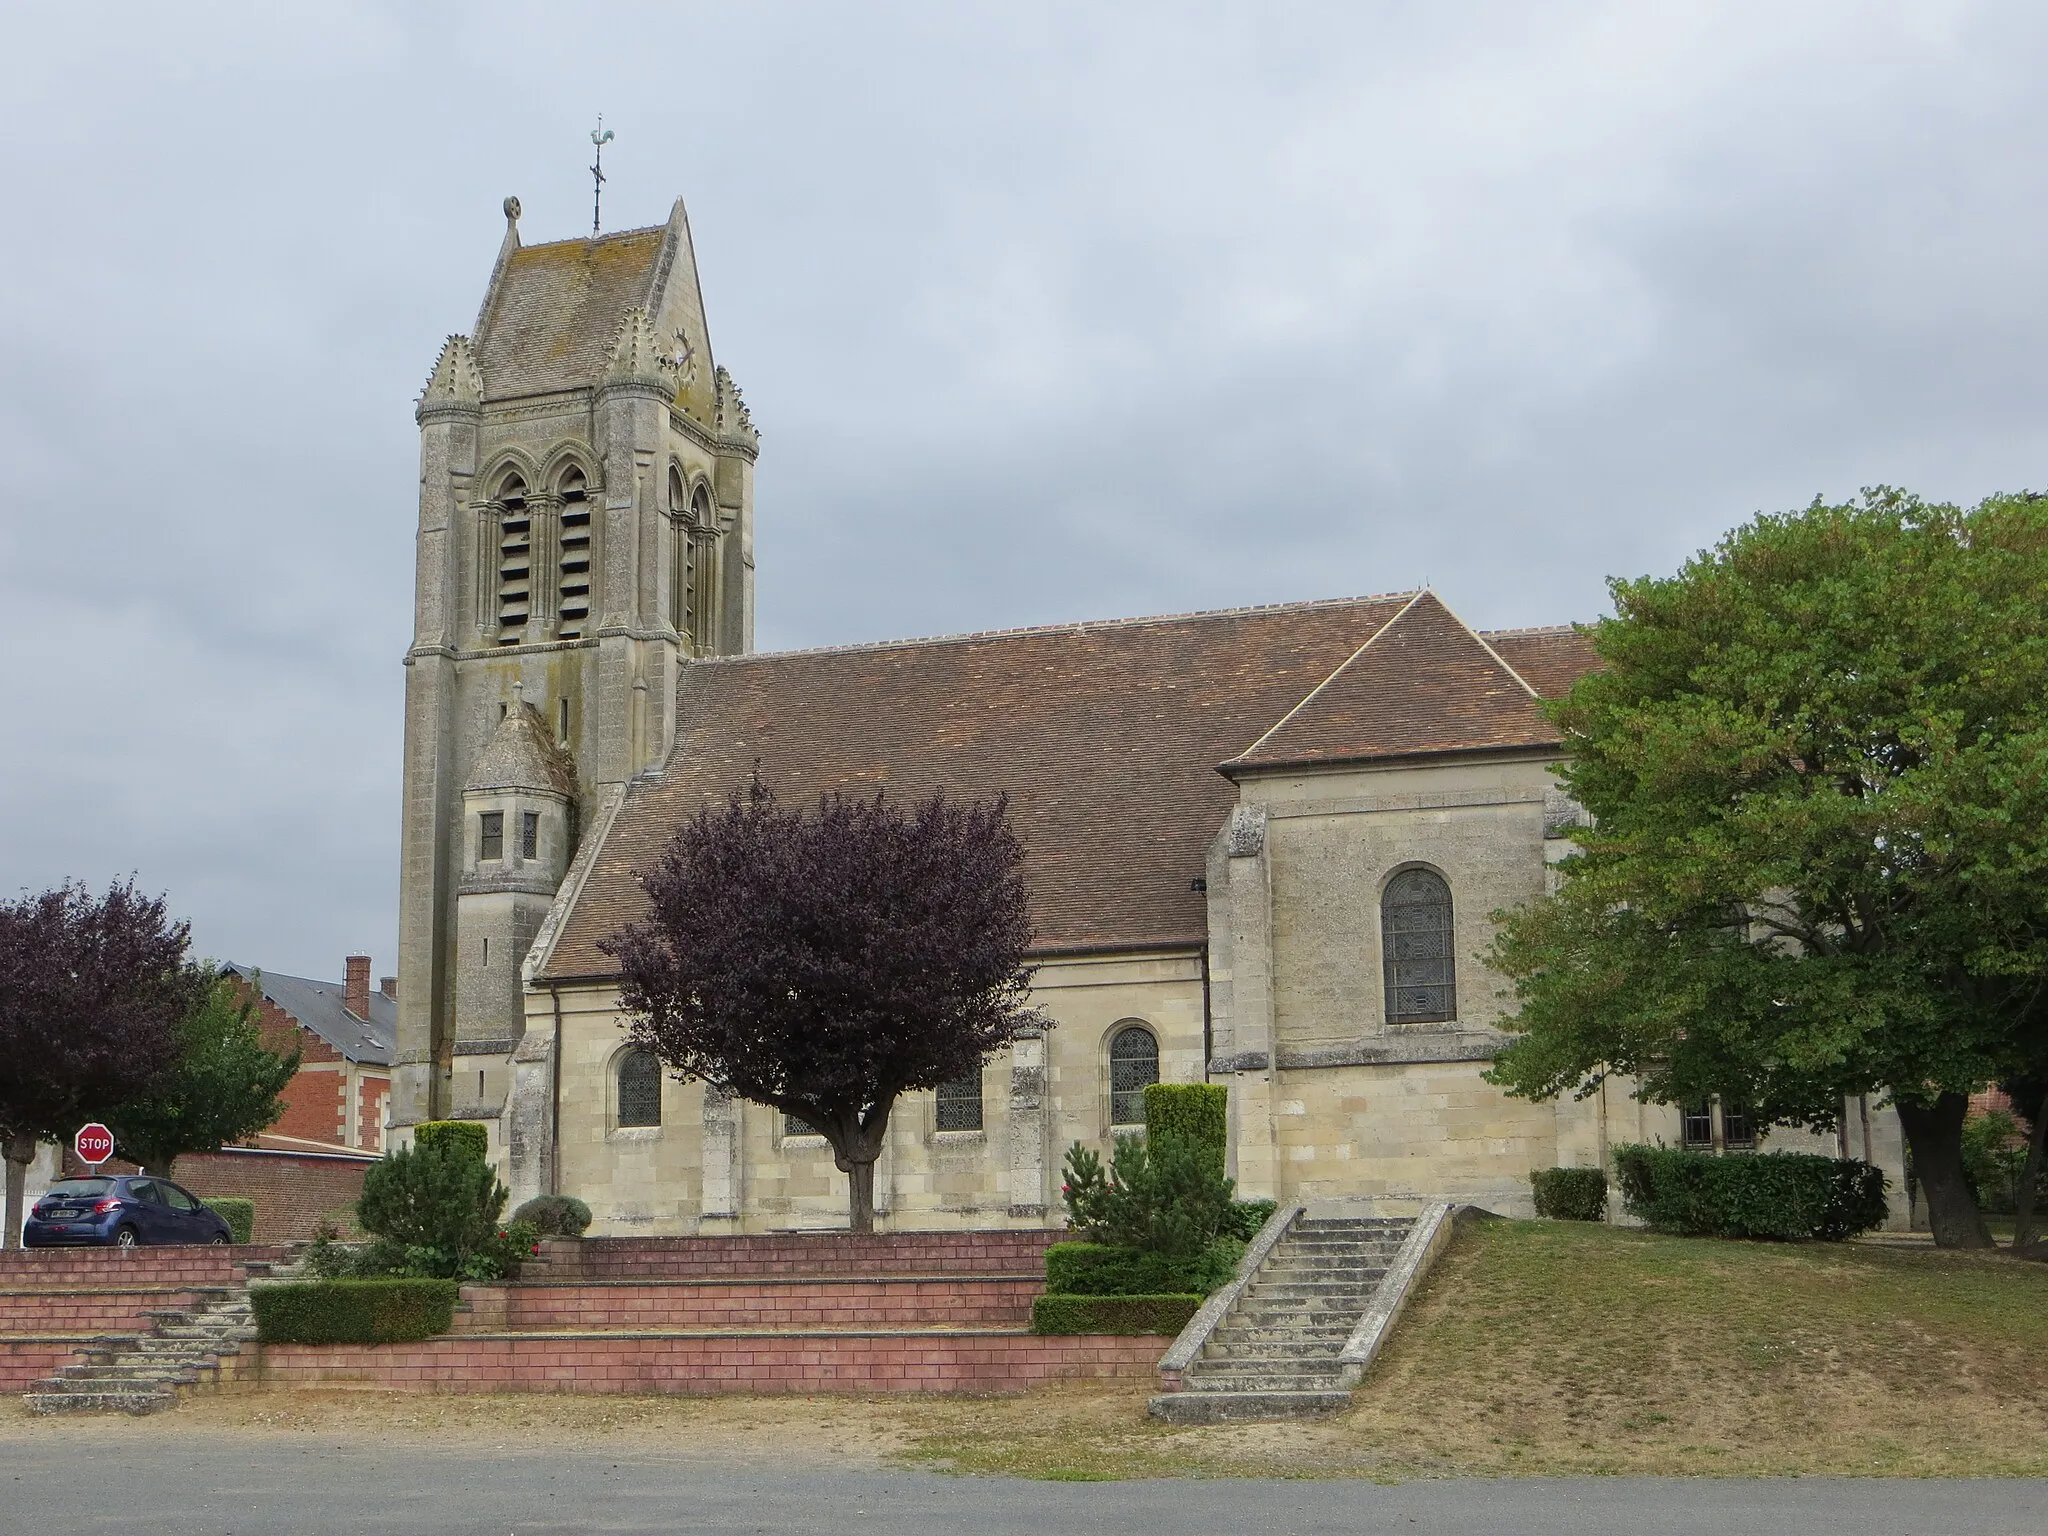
221, 1086
91, 992
827, 961
1816, 765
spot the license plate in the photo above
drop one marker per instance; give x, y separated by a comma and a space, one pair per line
64, 1215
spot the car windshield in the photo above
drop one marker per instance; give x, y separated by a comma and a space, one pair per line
78, 1189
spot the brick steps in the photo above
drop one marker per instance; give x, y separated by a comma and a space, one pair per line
820, 1254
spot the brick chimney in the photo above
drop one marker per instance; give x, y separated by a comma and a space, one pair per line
355, 992
388, 985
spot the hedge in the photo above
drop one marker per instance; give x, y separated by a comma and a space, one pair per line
555, 1215
1786, 1196
469, 1135
353, 1311
239, 1214
1243, 1218
1113, 1314
1570, 1194
1196, 1113
1095, 1269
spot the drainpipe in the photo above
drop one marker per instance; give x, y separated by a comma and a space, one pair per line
554, 1179
1208, 1023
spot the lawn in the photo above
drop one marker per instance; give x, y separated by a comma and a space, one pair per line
1536, 1348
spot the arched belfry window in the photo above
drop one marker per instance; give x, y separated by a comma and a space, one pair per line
1133, 1065
703, 571
575, 562
1419, 949
683, 566
515, 560
639, 1088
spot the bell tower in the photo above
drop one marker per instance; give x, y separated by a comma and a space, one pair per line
586, 514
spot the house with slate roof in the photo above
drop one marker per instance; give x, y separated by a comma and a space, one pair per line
1263, 845
345, 1033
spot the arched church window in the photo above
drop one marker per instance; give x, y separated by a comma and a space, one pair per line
575, 562
1133, 1065
515, 560
1418, 949
639, 1088
703, 571
680, 564
959, 1103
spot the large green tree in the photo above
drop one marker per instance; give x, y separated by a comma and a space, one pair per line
1816, 762
222, 1085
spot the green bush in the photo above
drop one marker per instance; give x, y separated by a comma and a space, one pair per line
1196, 1113
1167, 1198
433, 1206
1113, 1314
352, 1311
1243, 1218
555, 1215
1787, 1196
1570, 1194
1090, 1269
239, 1214
467, 1135
1995, 1159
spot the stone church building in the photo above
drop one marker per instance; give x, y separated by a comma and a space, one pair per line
1263, 844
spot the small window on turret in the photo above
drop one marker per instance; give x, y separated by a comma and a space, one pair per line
529, 834
491, 835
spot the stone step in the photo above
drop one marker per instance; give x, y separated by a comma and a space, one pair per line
1206, 1407
1274, 1349
142, 1400
1330, 1337
1330, 1380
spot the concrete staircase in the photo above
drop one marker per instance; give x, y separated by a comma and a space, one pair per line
190, 1346
1275, 1354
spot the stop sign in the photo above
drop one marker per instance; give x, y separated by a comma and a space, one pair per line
94, 1144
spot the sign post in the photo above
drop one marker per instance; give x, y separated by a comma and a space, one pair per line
94, 1144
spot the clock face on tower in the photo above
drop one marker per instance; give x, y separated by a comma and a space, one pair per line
683, 360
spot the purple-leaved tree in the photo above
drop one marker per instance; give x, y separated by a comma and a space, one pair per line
91, 992
825, 962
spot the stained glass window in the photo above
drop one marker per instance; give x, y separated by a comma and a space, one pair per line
1133, 1063
959, 1106
639, 1088
1418, 944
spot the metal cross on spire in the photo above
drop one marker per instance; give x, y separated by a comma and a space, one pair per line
600, 136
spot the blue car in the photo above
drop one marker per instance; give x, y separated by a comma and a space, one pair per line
120, 1211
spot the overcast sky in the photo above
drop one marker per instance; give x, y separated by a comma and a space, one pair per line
1046, 312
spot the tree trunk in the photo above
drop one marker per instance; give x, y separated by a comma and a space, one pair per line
1935, 1133
2030, 1179
860, 1196
20, 1152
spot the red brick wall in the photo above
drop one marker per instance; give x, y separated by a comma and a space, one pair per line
293, 1193
316, 1100
703, 1364
24, 1362
1012, 1252
990, 1302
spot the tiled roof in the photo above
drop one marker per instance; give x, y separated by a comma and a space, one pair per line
1549, 660
1424, 683
551, 317
1106, 737
317, 1005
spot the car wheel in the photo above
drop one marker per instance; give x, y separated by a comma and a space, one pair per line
125, 1238
218, 1240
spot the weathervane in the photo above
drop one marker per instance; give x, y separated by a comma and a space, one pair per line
600, 136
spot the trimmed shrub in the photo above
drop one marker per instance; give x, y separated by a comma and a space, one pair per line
1243, 1218
555, 1215
1092, 1269
239, 1214
1786, 1196
1195, 1113
352, 1311
435, 1205
1164, 1197
1113, 1314
1570, 1194
469, 1136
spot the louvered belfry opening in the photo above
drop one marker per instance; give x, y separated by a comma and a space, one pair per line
575, 563
515, 561
1419, 949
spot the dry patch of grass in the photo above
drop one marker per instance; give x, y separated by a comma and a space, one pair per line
1536, 1348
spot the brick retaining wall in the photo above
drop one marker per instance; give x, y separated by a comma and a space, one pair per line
1016, 1251
89, 1309
803, 1302
26, 1361
193, 1264
683, 1363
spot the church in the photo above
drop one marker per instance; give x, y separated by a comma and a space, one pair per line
1263, 845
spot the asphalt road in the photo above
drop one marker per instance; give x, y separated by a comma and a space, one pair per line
240, 1486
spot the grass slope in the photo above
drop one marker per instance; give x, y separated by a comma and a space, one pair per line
1554, 1347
